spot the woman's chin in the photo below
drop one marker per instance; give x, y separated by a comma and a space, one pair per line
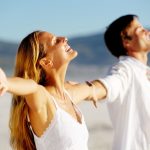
73, 55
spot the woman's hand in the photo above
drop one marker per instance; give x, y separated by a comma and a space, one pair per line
3, 82
81, 91
93, 91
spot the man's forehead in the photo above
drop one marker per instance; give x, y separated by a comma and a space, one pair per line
133, 25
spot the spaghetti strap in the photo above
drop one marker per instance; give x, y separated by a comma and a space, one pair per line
53, 99
77, 110
68, 95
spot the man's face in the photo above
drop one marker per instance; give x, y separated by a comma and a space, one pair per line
139, 37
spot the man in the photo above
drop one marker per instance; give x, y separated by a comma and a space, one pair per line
128, 83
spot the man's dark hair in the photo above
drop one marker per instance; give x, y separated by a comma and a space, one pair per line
112, 35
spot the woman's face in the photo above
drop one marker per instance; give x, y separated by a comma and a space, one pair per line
57, 48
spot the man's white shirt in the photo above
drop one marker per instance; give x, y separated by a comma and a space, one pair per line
128, 98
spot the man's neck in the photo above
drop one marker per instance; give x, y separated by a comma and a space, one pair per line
142, 57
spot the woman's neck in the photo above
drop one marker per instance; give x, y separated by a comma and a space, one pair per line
55, 83
57, 90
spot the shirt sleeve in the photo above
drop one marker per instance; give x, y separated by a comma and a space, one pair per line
117, 82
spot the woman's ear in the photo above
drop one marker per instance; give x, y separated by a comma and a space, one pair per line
44, 62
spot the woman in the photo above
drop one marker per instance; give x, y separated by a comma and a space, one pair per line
44, 115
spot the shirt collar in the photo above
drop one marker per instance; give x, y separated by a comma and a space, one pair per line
134, 61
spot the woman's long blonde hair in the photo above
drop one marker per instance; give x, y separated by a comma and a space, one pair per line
29, 53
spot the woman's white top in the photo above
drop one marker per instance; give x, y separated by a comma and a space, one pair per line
64, 132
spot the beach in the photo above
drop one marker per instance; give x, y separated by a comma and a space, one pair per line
5, 102
97, 119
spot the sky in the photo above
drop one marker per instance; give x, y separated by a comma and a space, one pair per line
69, 18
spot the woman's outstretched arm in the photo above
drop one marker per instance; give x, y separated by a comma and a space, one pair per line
93, 90
20, 86
33, 92
16, 85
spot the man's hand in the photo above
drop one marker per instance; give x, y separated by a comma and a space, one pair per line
3, 82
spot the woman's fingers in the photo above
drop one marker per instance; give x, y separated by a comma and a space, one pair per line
3, 82
2, 91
